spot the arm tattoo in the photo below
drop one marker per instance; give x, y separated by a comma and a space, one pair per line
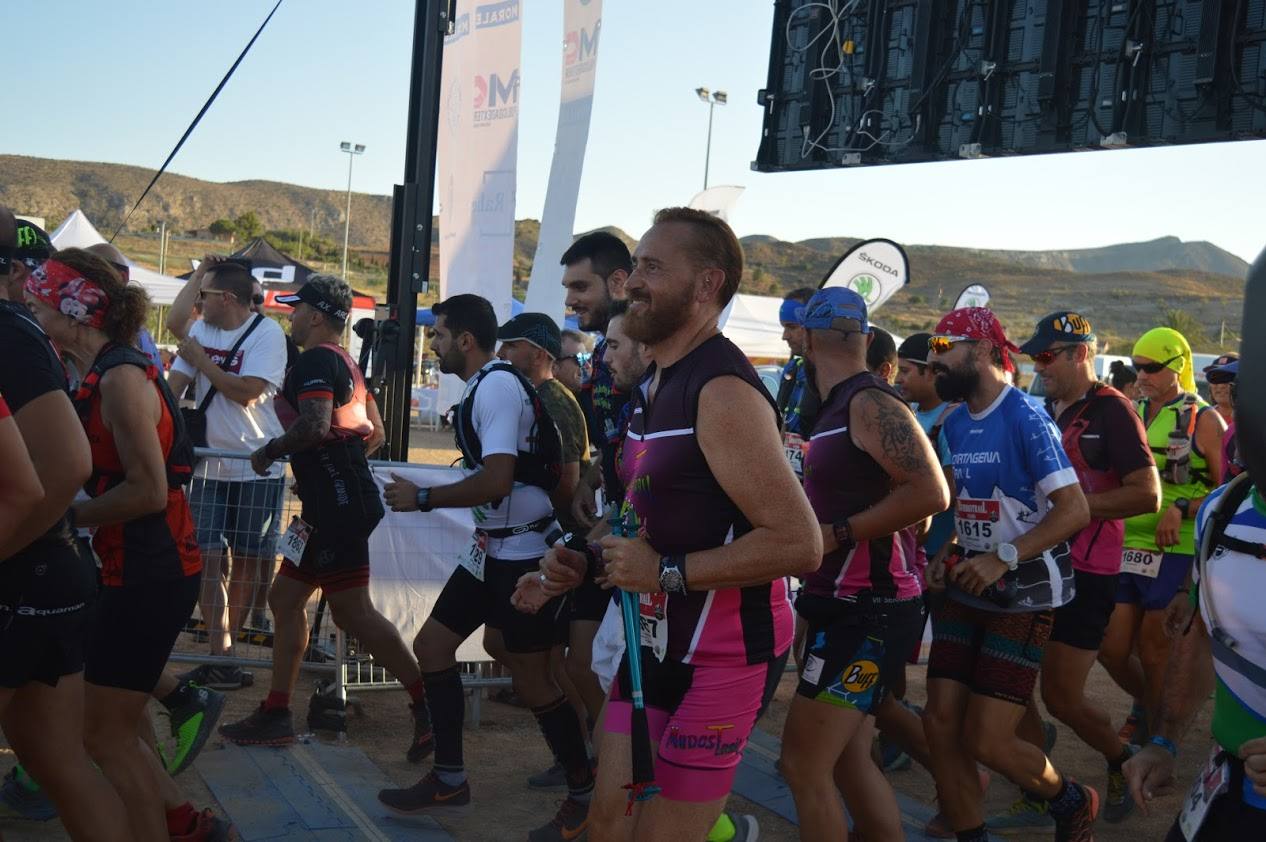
309, 428
896, 429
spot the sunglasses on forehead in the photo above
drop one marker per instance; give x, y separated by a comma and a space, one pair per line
1153, 368
943, 344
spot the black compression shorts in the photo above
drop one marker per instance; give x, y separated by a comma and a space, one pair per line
466, 603
133, 629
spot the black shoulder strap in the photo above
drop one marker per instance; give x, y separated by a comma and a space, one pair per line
1220, 515
464, 422
228, 359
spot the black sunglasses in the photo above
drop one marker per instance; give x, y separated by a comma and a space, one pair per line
257, 299
1153, 368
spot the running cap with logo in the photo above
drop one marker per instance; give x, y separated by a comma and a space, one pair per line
977, 323
915, 348
1225, 361
1224, 372
310, 294
1061, 326
31, 245
834, 303
537, 328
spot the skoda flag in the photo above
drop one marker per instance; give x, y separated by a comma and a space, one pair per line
973, 296
874, 270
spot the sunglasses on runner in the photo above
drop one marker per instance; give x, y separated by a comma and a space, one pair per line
943, 344
1050, 354
1153, 368
203, 293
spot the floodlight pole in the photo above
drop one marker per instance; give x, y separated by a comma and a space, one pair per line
713, 99
352, 151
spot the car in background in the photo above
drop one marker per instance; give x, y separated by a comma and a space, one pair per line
770, 376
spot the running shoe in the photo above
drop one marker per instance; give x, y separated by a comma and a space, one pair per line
218, 677
262, 728
550, 780
1080, 826
423, 738
1024, 813
208, 827
1119, 803
746, 828
191, 725
1134, 731
22, 798
429, 796
567, 825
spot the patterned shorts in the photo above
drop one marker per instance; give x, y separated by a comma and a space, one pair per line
995, 654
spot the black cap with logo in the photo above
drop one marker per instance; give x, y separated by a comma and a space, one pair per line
309, 294
537, 328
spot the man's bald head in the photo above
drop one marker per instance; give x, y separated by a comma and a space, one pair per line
110, 254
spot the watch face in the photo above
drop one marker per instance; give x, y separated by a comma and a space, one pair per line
670, 581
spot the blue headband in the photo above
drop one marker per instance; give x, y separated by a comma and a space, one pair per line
791, 311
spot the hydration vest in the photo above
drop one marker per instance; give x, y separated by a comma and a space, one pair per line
541, 466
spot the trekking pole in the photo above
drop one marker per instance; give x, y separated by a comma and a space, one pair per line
642, 787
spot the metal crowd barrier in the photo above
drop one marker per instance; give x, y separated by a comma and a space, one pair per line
330, 652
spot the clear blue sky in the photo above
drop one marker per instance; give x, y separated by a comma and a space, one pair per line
121, 80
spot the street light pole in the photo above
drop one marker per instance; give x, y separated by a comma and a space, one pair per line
713, 99
352, 151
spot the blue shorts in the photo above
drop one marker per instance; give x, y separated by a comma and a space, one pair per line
1155, 594
241, 516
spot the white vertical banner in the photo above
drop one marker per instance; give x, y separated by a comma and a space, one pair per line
478, 148
582, 23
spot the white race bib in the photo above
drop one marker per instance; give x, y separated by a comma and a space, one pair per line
794, 447
294, 540
475, 557
1205, 789
1141, 562
976, 522
653, 619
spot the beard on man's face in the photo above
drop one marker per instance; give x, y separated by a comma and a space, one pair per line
954, 385
658, 318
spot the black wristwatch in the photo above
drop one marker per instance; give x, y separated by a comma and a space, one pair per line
672, 574
423, 500
1183, 505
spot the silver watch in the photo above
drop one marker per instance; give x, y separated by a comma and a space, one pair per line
1008, 555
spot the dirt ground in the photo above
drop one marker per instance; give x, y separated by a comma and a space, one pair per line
505, 809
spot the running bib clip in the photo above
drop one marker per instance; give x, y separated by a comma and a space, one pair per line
1212, 782
653, 618
294, 540
1141, 562
477, 555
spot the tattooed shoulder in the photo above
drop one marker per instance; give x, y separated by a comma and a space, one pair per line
893, 428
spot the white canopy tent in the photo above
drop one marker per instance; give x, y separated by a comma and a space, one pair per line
753, 326
78, 232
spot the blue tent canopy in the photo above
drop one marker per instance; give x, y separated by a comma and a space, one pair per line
426, 318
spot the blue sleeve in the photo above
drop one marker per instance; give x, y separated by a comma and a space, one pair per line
1044, 454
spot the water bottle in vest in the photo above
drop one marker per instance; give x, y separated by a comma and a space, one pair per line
1177, 458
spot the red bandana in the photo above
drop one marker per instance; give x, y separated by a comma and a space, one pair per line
978, 323
66, 291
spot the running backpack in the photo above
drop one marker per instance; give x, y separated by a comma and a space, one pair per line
180, 459
543, 465
1220, 515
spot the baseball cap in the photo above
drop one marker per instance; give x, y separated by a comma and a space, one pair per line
1061, 326
1223, 372
309, 294
833, 303
31, 245
915, 348
537, 328
1224, 361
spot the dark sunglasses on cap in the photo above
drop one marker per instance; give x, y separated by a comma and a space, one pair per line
1050, 354
1153, 368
